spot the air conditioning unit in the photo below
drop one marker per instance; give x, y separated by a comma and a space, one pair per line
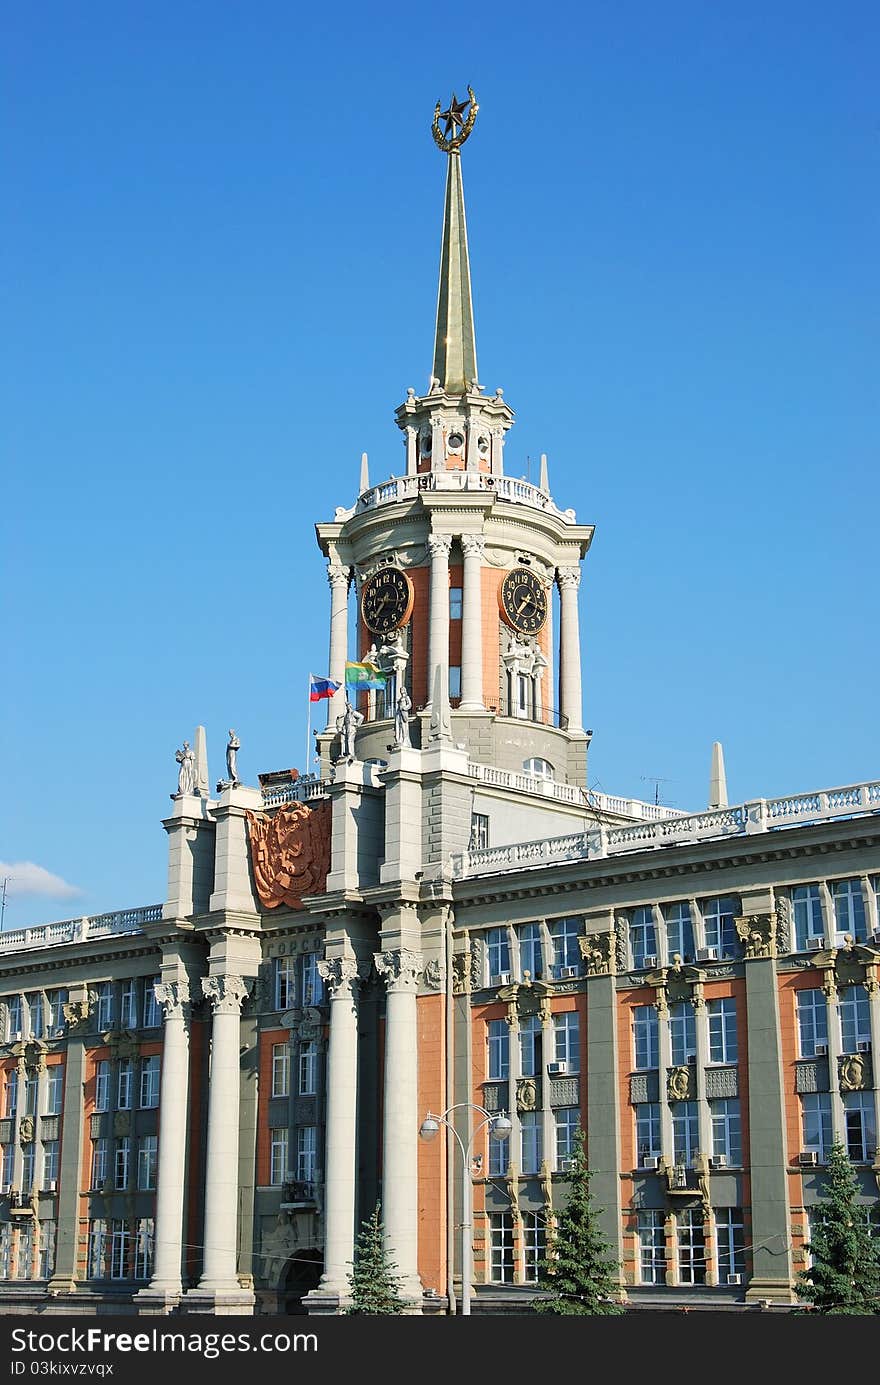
718, 1161
734, 1279
821, 1050
51, 1185
565, 973
707, 954
808, 1158
565, 1165
863, 1046
815, 944
690, 1057
557, 1069
649, 962
502, 979
650, 1161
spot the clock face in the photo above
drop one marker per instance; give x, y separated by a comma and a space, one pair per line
523, 601
386, 600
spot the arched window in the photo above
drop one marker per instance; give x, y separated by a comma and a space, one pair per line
541, 769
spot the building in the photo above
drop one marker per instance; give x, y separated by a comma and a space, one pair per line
202, 1099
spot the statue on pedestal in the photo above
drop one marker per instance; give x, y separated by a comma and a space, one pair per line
401, 719
347, 726
186, 778
233, 746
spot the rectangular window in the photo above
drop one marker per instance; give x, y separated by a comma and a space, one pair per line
567, 1121
479, 831
152, 1012
55, 1003
498, 1157
691, 1247
455, 680
683, 1031
50, 1165
501, 1230
529, 939
97, 1249
685, 1132
148, 1161
731, 1243
280, 1069
642, 937
679, 931
652, 1248
27, 1167
647, 1131
105, 1004
128, 1004
808, 922
306, 1153
855, 1018
849, 910
13, 1018
499, 1050
120, 1250
278, 1155
812, 1017
566, 1032
530, 1046
455, 599
123, 1163
11, 1097
46, 1253
5, 1249
99, 1164
312, 988
718, 923
36, 1015
564, 934
31, 1094
722, 1030
859, 1124
534, 1244
645, 1038
531, 1128
498, 952
726, 1137
54, 1089
285, 983
8, 1167
25, 1261
125, 1085
150, 1081
143, 1258
308, 1067
816, 1123
102, 1085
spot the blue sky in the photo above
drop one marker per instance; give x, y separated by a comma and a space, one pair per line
222, 233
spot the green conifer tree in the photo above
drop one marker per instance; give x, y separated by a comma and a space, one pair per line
845, 1274
373, 1285
578, 1272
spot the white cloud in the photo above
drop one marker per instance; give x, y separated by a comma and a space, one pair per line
26, 878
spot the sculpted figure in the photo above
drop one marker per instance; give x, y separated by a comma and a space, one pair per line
186, 778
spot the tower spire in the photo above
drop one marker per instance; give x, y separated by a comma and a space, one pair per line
455, 347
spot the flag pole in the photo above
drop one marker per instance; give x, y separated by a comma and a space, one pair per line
309, 726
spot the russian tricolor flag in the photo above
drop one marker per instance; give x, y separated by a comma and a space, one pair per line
321, 687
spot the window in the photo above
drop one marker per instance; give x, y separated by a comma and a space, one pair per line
534, 1244
50, 1164
538, 768
726, 1138
645, 1036
808, 922
691, 1247
284, 983
306, 1153
11, 1101
278, 1155
97, 1249
102, 1085
55, 1003
150, 1081
855, 1018
312, 988
501, 1264
522, 695
566, 1032
280, 1069
31, 1093
13, 1017
498, 952
498, 1156
120, 1249
530, 1046
8, 1167
123, 1162
816, 1123
128, 1005
647, 1131
849, 910
642, 936
143, 1258
152, 1012
499, 1050
105, 1004
683, 1031
99, 1164
27, 1167
36, 1017
652, 1248
54, 1089
529, 940
679, 931
46, 1251
24, 1267
718, 925
722, 1030
125, 1084
685, 1132
531, 1142
479, 831
564, 934
148, 1160
812, 1016
861, 1131
455, 680
455, 599
308, 1067
730, 1242
567, 1120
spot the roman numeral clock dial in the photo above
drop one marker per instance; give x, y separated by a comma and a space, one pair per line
522, 597
386, 600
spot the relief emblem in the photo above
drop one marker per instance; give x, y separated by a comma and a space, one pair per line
290, 852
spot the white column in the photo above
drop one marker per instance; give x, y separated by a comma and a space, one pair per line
338, 577
438, 609
873, 989
340, 1178
400, 1162
219, 1270
411, 450
174, 1104
569, 648
473, 546
838, 1124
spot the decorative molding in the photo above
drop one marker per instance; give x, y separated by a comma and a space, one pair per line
400, 969
568, 577
565, 1091
26, 1130
225, 993
460, 973
526, 1094
476, 968
596, 952
757, 933
76, 1011
433, 975
172, 997
121, 1124
621, 942
340, 975
473, 545
337, 574
854, 1072
290, 852
811, 1076
784, 924
439, 546
681, 1083
721, 1082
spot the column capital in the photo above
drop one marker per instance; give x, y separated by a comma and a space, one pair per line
338, 574
225, 993
473, 545
173, 998
439, 545
400, 969
340, 975
568, 577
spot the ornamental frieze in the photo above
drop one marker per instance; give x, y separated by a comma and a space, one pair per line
757, 933
526, 1094
854, 1072
290, 853
596, 952
681, 1083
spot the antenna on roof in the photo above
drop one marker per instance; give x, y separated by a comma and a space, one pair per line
656, 781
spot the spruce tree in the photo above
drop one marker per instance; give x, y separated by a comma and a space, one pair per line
373, 1285
845, 1274
578, 1272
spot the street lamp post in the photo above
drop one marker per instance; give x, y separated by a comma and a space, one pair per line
499, 1129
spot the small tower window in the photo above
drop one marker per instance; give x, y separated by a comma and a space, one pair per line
541, 769
456, 442
455, 603
454, 680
